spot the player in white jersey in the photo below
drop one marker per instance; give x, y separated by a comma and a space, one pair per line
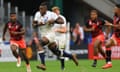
44, 20
60, 37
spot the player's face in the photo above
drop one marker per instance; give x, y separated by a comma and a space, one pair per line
77, 26
43, 9
93, 15
57, 11
116, 10
13, 17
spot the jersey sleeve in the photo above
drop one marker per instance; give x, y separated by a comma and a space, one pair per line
54, 16
64, 19
36, 17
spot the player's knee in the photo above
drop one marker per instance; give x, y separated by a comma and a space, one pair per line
97, 43
13, 47
52, 45
44, 41
109, 43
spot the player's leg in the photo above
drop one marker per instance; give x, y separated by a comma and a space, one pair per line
95, 57
16, 54
23, 52
62, 61
41, 52
14, 51
56, 51
101, 51
108, 46
22, 48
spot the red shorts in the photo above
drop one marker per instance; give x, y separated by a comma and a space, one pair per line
99, 37
19, 43
116, 39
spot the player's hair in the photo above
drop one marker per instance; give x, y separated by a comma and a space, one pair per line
55, 8
12, 13
95, 11
44, 4
117, 5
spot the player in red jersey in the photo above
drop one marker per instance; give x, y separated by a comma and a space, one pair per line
94, 25
115, 39
16, 32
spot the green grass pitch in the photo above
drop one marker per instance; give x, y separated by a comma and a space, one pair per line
54, 66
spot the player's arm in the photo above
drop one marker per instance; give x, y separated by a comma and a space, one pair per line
22, 32
35, 24
112, 25
61, 30
59, 20
85, 27
4, 31
55, 19
116, 26
36, 19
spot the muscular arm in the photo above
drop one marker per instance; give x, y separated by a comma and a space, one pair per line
61, 30
59, 20
112, 25
116, 26
35, 24
22, 32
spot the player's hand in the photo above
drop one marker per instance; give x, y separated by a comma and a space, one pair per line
40, 24
34, 25
3, 38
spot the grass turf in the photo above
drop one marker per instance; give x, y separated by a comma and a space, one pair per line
54, 66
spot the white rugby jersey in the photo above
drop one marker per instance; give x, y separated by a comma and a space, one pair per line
44, 19
58, 26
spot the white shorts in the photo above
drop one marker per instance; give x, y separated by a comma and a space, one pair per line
50, 35
61, 41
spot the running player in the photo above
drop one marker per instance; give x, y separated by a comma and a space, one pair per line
115, 39
60, 32
45, 20
94, 25
16, 32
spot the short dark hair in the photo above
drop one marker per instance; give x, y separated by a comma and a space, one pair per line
43, 4
95, 11
117, 5
12, 13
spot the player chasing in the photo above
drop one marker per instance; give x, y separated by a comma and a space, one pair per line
115, 39
45, 20
94, 25
60, 36
17, 41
